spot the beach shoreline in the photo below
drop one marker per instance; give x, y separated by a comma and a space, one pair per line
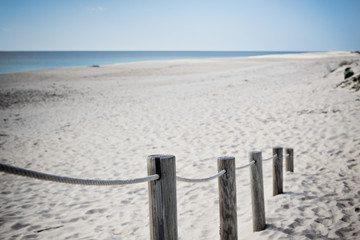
17, 61
102, 122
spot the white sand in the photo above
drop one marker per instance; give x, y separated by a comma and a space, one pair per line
102, 122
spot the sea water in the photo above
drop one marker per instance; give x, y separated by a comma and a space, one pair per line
15, 61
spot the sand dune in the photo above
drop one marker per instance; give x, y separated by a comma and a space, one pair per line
102, 123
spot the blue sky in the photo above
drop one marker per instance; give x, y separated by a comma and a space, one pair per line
254, 25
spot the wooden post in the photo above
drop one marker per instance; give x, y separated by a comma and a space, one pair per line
277, 171
289, 159
257, 192
162, 197
227, 198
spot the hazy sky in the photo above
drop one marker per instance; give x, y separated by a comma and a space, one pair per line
277, 25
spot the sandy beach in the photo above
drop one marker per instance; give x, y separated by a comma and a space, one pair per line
102, 122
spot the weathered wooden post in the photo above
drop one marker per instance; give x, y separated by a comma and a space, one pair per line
257, 192
162, 197
289, 156
277, 171
227, 198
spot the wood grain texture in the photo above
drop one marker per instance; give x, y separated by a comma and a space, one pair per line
277, 171
289, 152
257, 192
162, 198
227, 198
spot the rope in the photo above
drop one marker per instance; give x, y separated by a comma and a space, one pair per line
200, 179
266, 159
55, 178
246, 165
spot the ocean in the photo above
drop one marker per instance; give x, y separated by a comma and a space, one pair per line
15, 61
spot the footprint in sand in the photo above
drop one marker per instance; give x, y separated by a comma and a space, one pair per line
297, 223
18, 226
350, 166
93, 211
344, 232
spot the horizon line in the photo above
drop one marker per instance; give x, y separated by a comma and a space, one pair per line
43, 50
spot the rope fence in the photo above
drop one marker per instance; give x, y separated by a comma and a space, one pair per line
182, 179
162, 189
54, 178
267, 159
246, 165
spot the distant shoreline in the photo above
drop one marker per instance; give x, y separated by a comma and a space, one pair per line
19, 61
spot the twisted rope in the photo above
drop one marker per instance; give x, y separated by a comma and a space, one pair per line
200, 179
55, 178
266, 159
246, 165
